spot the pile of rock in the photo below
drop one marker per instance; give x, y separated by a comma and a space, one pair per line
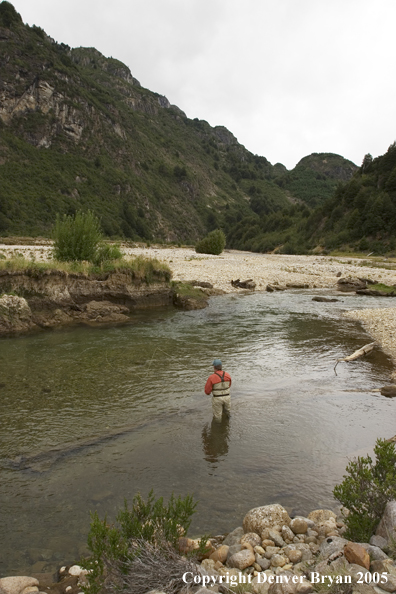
270, 554
302, 549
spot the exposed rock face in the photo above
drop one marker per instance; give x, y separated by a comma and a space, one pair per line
15, 314
55, 298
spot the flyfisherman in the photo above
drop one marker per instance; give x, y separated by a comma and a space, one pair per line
219, 384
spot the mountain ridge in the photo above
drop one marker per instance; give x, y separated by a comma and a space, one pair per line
78, 131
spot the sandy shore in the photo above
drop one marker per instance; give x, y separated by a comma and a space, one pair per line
314, 271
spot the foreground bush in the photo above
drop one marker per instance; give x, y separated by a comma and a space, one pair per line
144, 536
213, 243
76, 238
366, 490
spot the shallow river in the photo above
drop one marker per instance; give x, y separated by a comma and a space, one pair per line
91, 416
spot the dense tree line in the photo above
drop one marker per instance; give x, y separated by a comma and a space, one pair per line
360, 215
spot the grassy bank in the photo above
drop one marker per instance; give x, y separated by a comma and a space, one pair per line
141, 269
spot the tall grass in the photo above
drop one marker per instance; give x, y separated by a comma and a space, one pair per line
140, 269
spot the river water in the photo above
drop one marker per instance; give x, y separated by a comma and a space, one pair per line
92, 416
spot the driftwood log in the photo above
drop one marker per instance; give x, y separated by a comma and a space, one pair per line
365, 350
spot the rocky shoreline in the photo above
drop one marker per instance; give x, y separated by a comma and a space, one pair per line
274, 270
270, 553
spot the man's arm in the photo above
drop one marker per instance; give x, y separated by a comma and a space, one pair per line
208, 386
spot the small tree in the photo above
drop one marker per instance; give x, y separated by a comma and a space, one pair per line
366, 490
213, 243
77, 238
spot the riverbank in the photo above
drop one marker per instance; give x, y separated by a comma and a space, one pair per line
186, 265
321, 272
271, 553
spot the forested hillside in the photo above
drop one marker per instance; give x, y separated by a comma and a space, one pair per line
360, 215
78, 131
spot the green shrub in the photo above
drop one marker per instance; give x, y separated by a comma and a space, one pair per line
106, 253
366, 490
148, 521
76, 238
213, 243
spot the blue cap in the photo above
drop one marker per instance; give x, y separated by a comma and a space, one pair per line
216, 362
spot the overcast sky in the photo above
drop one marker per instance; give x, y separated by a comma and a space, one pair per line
287, 77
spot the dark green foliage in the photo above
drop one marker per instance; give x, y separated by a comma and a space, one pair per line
76, 238
150, 173
9, 17
362, 213
213, 243
144, 169
106, 253
315, 178
366, 489
150, 520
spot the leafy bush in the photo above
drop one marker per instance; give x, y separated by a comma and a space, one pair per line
213, 243
76, 238
149, 522
106, 253
366, 490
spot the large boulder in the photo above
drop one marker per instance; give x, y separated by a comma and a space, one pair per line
389, 391
251, 538
241, 560
331, 545
378, 541
387, 526
267, 516
306, 553
15, 315
350, 284
319, 516
220, 554
234, 537
18, 585
355, 553
299, 525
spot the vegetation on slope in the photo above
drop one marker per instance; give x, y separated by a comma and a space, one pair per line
316, 177
359, 216
93, 138
79, 132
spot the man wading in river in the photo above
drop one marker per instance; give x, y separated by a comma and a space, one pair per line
219, 384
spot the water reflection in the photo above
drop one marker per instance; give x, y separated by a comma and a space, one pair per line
215, 439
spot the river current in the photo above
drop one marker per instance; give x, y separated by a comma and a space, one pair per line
91, 416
